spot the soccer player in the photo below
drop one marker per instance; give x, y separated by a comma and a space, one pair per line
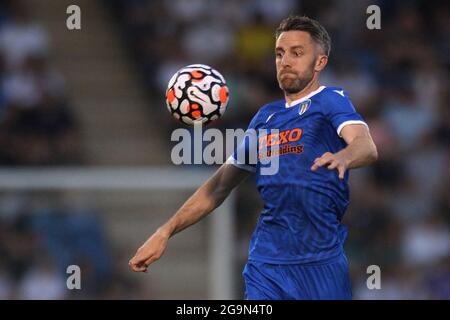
296, 251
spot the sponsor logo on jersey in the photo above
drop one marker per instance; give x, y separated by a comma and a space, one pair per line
282, 139
290, 135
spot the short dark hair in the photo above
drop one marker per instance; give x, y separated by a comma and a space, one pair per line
313, 27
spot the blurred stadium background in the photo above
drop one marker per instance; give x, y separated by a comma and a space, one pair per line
94, 98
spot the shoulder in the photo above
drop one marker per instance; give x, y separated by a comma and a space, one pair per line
335, 99
268, 109
335, 95
273, 106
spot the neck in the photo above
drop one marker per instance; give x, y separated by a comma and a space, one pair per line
310, 87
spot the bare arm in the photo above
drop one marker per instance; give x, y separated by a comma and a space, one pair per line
360, 151
207, 197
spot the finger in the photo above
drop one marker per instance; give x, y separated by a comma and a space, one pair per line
321, 162
326, 155
315, 165
149, 261
135, 261
333, 165
152, 259
141, 269
318, 163
138, 263
341, 170
143, 266
138, 268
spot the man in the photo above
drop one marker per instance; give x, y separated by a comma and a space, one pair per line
296, 251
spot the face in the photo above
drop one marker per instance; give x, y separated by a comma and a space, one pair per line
298, 59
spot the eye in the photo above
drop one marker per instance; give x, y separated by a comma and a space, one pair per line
278, 54
298, 53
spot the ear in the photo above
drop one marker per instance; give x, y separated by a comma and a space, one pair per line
321, 62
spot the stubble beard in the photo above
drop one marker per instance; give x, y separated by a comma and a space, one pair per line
292, 86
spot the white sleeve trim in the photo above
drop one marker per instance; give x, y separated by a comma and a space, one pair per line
233, 161
345, 123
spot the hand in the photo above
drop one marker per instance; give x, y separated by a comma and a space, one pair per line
149, 252
332, 161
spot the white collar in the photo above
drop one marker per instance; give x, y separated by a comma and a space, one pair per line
293, 103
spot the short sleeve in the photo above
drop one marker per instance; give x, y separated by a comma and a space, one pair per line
341, 111
245, 155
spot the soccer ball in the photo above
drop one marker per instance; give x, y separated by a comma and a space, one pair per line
197, 94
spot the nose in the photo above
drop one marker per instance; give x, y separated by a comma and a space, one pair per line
285, 61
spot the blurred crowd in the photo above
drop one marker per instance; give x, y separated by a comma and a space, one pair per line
398, 79
37, 125
41, 234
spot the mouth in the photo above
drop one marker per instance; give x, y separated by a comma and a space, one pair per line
283, 74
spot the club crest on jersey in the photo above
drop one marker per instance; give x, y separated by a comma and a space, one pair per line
304, 106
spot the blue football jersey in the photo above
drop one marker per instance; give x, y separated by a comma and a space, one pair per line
303, 209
